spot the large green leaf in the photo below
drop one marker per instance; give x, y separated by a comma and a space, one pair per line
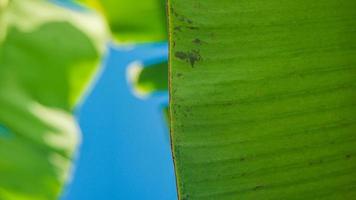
134, 21
263, 98
47, 56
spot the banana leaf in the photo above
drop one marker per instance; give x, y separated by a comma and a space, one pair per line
263, 99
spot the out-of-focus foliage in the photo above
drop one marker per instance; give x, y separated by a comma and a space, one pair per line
134, 21
138, 21
148, 79
47, 56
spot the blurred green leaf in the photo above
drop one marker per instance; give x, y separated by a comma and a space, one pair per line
134, 21
263, 99
48, 55
148, 79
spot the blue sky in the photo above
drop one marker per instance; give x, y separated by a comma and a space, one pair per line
125, 151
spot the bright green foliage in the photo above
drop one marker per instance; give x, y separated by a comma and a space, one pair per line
263, 99
134, 21
47, 56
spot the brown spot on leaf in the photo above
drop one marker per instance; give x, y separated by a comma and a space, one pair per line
197, 41
191, 57
174, 12
258, 187
177, 28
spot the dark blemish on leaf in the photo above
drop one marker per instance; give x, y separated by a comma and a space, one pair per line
181, 55
182, 18
258, 187
348, 156
179, 75
197, 41
174, 12
194, 56
242, 159
191, 57
177, 28
187, 20
193, 27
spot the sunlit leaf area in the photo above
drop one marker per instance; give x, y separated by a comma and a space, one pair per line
177, 100
77, 119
